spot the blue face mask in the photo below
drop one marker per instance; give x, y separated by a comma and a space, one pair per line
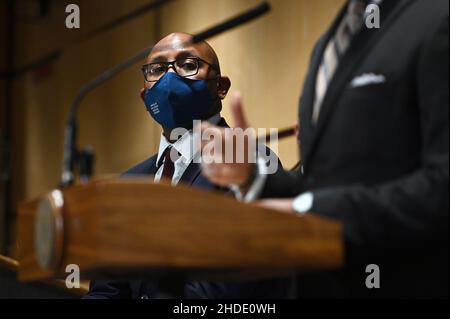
175, 101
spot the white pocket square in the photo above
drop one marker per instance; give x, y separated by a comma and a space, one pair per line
367, 79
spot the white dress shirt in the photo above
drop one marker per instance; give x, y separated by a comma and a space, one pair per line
185, 147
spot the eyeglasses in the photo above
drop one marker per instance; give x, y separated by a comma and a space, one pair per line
184, 67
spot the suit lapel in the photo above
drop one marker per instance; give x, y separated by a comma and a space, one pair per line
360, 47
191, 173
152, 168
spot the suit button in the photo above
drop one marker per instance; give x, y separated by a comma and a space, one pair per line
143, 297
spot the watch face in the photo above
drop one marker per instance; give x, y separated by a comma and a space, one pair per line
48, 230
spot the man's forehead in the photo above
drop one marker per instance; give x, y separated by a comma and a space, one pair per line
167, 53
179, 44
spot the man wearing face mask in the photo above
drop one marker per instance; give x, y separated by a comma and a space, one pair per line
183, 83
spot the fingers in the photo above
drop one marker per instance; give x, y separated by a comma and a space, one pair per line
237, 111
215, 167
226, 174
280, 205
214, 173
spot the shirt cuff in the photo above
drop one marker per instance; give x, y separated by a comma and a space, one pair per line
256, 188
303, 203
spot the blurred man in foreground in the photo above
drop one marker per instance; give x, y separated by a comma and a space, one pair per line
374, 121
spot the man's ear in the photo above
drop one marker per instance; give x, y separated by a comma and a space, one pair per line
224, 85
143, 94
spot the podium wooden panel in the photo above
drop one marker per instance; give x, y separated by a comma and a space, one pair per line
130, 224
10, 288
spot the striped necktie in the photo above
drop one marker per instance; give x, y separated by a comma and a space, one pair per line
169, 159
350, 25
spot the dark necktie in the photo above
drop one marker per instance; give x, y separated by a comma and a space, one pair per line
169, 165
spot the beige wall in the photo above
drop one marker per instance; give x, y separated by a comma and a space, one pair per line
266, 61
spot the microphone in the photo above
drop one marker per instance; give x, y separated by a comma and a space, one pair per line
71, 153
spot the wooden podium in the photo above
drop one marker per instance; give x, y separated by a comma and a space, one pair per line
128, 227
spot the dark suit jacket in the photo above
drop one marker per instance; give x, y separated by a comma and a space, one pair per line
378, 159
272, 289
